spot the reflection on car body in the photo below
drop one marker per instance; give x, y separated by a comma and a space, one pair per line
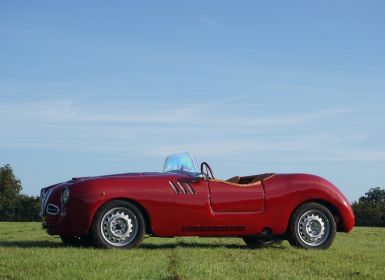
117, 210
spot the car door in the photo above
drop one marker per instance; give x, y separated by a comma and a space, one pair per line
230, 197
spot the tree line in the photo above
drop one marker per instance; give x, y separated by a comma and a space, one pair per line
15, 206
370, 208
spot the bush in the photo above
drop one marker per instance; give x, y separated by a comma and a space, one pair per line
370, 209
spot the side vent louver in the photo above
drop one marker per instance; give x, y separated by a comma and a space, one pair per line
173, 187
211, 228
182, 188
192, 191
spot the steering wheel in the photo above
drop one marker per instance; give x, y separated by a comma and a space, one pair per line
206, 170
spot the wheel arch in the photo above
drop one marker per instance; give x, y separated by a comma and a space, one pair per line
333, 209
141, 208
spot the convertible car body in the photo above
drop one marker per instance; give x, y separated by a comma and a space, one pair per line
117, 210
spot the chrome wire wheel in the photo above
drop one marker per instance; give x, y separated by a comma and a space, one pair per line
119, 226
313, 228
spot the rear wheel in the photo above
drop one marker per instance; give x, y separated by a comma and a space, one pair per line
254, 242
118, 224
312, 226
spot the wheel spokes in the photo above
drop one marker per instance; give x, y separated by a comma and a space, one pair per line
119, 226
313, 228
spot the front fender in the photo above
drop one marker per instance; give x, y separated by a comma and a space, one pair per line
87, 197
285, 192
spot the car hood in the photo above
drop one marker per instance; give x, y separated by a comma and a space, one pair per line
131, 174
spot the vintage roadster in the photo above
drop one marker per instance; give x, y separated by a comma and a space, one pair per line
116, 211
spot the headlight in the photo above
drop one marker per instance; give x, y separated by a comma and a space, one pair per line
65, 196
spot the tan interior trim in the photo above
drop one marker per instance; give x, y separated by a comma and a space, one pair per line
234, 179
268, 177
241, 185
234, 184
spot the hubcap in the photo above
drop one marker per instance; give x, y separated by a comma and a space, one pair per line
119, 226
313, 228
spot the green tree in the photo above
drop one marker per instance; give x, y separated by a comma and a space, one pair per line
370, 209
27, 209
15, 206
10, 188
374, 195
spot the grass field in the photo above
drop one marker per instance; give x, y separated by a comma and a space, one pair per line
27, 252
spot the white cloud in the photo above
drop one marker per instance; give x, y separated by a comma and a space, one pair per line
211, 23
211, 128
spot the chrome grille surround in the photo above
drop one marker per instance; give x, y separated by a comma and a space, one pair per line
44, 196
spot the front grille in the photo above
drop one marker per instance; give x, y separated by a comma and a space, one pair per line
52, 209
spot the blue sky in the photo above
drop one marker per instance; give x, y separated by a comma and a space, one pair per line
98, 87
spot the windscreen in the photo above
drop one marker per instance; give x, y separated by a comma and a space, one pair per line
180, 162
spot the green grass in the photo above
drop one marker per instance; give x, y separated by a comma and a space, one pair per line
27, 252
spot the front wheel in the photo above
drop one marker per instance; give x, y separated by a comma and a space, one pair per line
118, 224
312, 226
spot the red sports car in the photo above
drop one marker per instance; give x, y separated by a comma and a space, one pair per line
116, 211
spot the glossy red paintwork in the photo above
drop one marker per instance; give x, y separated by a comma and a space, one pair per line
209, 208
232, 198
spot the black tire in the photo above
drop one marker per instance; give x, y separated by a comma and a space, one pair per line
118, 224
312, 226
77, 241
254, 242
